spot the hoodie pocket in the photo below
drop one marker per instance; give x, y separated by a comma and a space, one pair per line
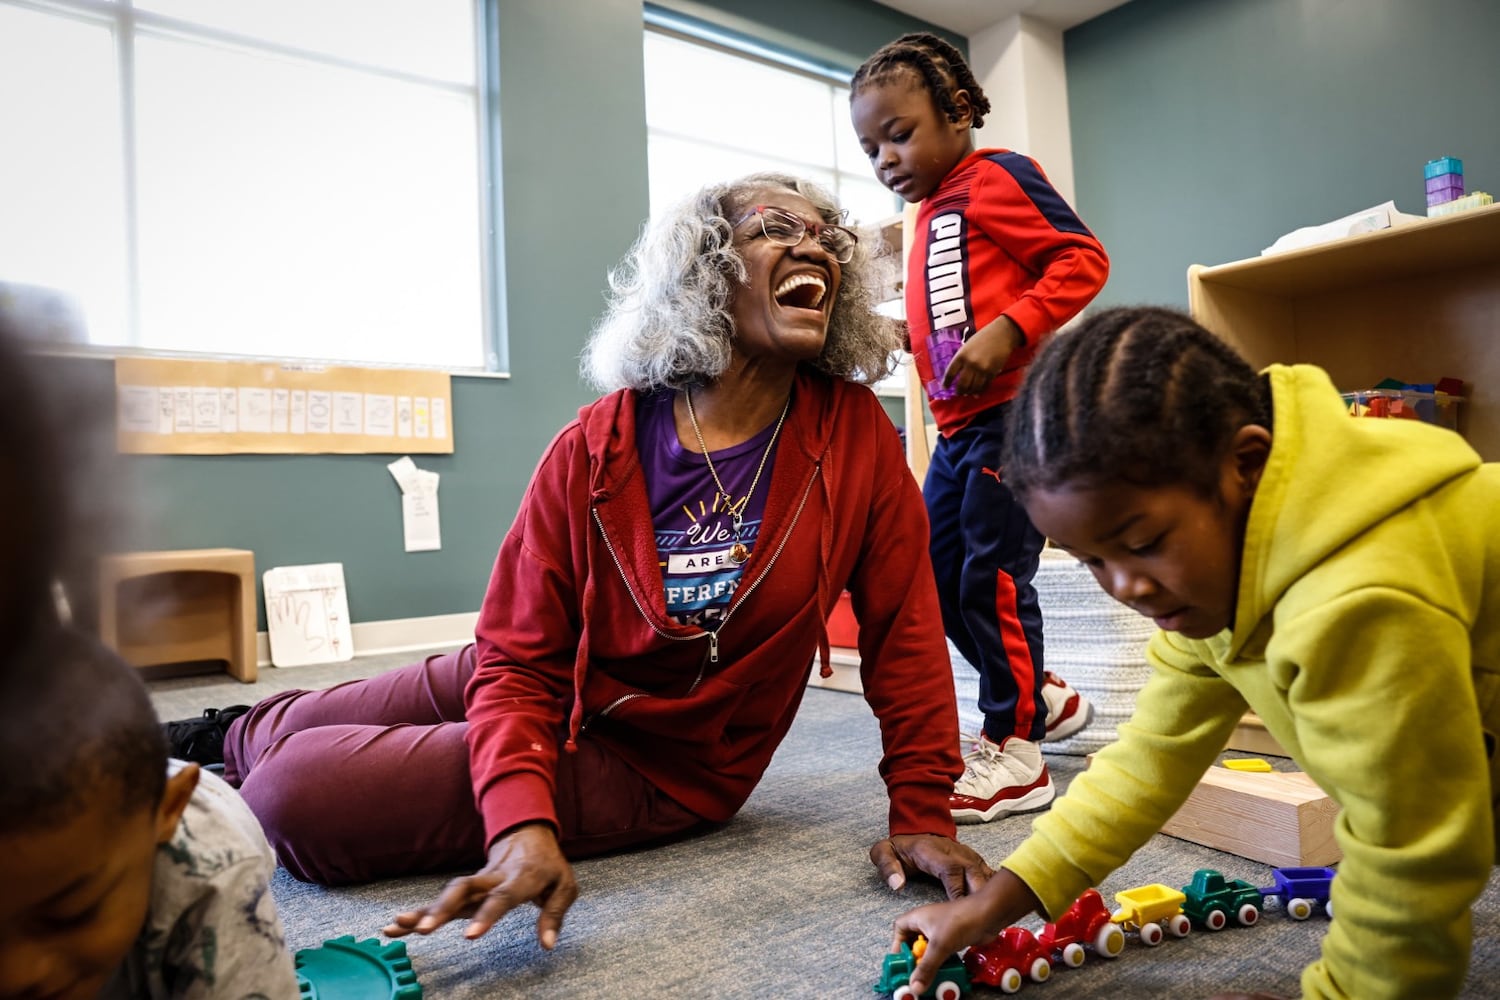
699, 716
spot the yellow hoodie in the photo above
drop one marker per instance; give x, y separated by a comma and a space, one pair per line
1367, 637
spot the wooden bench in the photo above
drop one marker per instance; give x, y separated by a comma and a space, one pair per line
181, 606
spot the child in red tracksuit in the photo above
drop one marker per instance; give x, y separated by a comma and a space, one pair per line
998, 262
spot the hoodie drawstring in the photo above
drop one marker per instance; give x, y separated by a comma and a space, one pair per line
825, 544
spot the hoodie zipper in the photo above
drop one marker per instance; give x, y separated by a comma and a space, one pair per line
713, 635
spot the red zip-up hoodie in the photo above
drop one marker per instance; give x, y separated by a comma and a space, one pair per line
574, 636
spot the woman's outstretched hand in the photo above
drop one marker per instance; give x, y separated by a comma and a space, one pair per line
959, 868
526, 865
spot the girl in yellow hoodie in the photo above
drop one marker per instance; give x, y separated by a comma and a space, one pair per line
1339, 577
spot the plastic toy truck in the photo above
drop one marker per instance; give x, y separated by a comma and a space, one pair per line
1005, 962
951, 983
1145, 908
1301, 890
1086, 922
1211, 898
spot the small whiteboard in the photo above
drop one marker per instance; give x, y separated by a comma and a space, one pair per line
307, 615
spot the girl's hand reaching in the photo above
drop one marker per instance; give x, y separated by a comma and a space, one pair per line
959, 923
526, 865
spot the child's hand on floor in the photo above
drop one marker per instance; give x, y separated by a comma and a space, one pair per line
949, 927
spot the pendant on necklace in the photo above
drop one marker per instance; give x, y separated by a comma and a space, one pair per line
738, 553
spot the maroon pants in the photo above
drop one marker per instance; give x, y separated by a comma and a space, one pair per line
370, 779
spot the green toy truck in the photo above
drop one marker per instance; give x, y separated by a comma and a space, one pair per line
951, 983
1211, 898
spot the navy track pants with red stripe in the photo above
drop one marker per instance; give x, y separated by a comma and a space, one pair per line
985, 552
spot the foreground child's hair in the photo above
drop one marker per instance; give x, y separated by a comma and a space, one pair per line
939, 64
1141, 395
75, 724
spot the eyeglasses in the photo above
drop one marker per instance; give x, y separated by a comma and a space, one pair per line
786, 229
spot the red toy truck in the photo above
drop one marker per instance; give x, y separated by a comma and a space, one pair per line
1086, 922
1004, 961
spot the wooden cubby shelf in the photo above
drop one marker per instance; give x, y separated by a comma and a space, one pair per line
1416, 302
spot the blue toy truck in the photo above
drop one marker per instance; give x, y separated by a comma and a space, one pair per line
1301, 890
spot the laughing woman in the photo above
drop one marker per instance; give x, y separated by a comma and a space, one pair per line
660, 600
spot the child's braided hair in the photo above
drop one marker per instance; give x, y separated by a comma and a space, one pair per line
940, 65
1141, 394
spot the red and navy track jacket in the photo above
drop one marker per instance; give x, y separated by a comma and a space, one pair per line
996, 239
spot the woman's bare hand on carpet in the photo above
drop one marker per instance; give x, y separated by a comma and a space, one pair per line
958, 867
525, 866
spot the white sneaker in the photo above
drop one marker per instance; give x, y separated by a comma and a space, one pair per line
1067, 710
999, 780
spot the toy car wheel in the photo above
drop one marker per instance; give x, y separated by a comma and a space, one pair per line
1010, 981
1072, 955
1151, 934
903, 992
1180, 925
1248, 915
1299, 909
1040, 970
1328, 909
1215, 920
947, 991
1110, 941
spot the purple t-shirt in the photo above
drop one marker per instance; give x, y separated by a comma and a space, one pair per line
694, 530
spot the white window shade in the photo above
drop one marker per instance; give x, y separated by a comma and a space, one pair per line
270, 179
62, 200
305, 210
714, 115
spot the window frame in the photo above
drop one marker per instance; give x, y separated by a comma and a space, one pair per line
126, 22
687, 28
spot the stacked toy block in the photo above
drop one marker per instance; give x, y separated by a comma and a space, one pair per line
1445, 180
1445, 187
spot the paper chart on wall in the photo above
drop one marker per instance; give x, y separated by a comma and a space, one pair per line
169, 406
307, 615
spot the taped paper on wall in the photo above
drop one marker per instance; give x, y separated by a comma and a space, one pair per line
419, 505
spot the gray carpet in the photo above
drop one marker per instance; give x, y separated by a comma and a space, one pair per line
782, 902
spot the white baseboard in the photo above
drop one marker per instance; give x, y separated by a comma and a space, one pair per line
845, 664
397, 635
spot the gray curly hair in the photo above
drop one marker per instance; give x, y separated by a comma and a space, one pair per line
668, 325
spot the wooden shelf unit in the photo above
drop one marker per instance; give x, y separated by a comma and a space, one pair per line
1416, 302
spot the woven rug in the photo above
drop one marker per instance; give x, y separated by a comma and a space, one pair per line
1090, 640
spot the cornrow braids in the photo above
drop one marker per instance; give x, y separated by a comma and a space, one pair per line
1141, 395
942, 68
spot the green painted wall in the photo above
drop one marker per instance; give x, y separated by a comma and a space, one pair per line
574, 196
1204, 129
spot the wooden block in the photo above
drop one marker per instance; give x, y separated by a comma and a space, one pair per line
1250, 736
1281, 818
180, 606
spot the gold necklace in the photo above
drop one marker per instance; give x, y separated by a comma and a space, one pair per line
738, 552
